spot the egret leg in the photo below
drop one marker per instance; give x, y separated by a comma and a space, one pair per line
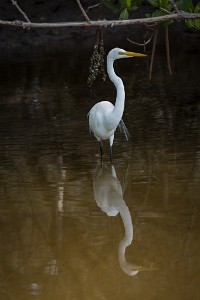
101, 148
111, 143
111, 154
101, 151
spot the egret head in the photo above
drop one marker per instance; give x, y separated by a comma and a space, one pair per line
118, 53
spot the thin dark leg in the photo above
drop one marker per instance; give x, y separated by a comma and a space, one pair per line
101, 150
101, 147
111, 154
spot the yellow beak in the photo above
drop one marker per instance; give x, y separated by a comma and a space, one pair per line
128, 53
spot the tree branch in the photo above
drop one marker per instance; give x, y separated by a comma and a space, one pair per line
102, 23
142, 44
174, 6
83, 11
20, 10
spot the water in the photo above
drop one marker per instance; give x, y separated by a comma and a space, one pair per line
59, 237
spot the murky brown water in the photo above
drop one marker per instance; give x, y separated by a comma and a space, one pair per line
70, 229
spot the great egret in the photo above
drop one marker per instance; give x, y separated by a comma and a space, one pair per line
104, 117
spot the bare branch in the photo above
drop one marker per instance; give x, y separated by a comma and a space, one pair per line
20, 10
93, 6
83, 11
165, 10
102, 23
142, 44
175, 7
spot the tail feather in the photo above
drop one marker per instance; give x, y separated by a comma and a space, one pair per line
124, 130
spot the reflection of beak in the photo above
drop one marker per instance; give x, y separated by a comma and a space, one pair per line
128, 53
140, 268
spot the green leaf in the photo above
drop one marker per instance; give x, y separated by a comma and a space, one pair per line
186, 5
158, 13
109, 4
154, 3
195, 23
135, 4
123, 7
197, 8
124, 14
166, 4
189, 23
123, 4
128, 3
161, 4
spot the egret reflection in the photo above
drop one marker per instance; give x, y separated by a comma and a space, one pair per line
108, 194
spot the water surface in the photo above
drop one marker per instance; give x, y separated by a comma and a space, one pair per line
73, 229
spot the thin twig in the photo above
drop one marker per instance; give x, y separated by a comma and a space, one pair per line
175, 7
93, 6
141, 44
167, 49
83, 11
20, 10
153, 52
165, 10
151, 26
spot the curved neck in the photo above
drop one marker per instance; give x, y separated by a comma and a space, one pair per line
128, 226
128, 236
126, 241
120, 98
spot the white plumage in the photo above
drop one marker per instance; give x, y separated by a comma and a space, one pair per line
104, 117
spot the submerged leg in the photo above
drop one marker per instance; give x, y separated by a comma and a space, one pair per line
111, 154
101, 147
101, 151
111, 143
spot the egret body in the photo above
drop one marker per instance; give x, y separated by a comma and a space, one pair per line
104, 117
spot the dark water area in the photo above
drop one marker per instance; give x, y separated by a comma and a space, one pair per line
73, 229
